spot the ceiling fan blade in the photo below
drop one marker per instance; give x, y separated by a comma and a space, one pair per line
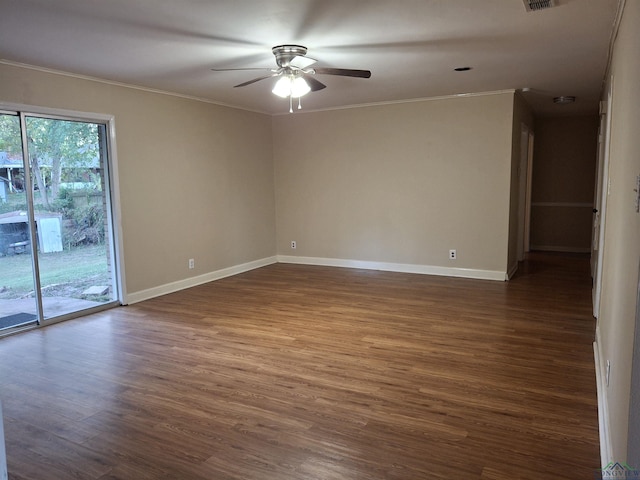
244, 84
314, 84
239, 69
345, 72
301, 62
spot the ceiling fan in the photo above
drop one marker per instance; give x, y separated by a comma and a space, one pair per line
296, 73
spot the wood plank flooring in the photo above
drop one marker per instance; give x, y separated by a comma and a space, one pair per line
294, 372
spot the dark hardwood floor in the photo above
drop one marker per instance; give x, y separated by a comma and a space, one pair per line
298, 372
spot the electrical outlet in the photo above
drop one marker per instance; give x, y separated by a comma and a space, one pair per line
192, 263
452, 255
293, 245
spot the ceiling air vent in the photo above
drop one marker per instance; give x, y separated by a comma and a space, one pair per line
535, 5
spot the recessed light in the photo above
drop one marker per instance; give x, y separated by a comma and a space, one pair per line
564, 100
462, 69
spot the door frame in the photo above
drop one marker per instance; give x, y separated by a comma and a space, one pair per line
600, 198
633, 446
112, 191
525, 170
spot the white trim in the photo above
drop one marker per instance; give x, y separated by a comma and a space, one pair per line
124, 85
614, 36
115, 215
563, 204
397, 267
207, 100
603, 405
604, 195
172, 287
116, 210
396, 102
557, 248
56, 113
527, 222
524, 199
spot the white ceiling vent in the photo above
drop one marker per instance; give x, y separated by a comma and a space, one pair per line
535, 5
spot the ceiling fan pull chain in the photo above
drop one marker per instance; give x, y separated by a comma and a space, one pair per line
290, 104
299, 103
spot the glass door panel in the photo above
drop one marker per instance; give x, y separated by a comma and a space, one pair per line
68, 167
56, 235
18, 306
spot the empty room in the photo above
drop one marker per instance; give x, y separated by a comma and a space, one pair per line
319, 239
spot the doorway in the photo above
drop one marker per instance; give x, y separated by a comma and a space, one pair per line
57, 255
525, 169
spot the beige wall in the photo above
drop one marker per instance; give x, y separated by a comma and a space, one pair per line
622, 232
564, 167
400, 183
191, 184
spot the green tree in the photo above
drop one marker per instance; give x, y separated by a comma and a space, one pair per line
57, 144
52, 145
10, 135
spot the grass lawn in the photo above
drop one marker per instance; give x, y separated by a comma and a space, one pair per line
64, 274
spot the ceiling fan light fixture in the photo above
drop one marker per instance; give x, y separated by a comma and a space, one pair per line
282, 88
296, 78
564, 99
299, 87
291, 86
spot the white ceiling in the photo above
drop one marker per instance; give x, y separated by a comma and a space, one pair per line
410, 46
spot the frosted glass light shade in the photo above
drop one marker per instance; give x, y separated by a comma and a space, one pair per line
282, 88
291, 86
299, 87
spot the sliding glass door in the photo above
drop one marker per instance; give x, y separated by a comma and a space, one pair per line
56, 235
17, 300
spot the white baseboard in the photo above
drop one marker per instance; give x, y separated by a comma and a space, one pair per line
603, 407
397, 267
136, 297
172, 287
556, 248
603, 410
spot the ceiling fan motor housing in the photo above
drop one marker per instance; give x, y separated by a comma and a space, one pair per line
285, 53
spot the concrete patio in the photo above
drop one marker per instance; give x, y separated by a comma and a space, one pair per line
52, 306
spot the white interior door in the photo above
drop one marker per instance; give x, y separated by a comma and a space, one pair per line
597, 199
600, 200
